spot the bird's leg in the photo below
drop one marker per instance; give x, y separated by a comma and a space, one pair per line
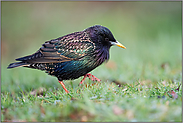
83, 79
93, 77
90, 76
63, 86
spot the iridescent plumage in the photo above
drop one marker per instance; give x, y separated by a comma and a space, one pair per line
72, 55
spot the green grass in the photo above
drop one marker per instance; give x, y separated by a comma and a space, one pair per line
139, 83
103, 101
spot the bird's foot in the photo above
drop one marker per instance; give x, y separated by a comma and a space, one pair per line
90, 76
63, 86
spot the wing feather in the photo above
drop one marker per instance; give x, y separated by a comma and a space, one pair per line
66, 48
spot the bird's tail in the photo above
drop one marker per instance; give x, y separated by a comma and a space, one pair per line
17, 64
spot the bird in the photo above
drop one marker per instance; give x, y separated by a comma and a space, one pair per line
73, 55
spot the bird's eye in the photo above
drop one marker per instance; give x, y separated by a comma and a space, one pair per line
106, 39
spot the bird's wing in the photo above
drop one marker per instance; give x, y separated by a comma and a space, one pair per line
67, 48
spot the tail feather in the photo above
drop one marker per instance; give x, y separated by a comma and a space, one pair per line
17, 64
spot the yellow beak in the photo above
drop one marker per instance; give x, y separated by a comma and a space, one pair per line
118, 44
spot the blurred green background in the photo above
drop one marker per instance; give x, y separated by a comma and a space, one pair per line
151, 31
148, 69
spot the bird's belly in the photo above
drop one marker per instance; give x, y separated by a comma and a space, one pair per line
71, 69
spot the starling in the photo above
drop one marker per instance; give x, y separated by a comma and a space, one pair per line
73, 55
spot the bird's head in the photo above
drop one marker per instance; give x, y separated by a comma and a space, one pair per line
102, 35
